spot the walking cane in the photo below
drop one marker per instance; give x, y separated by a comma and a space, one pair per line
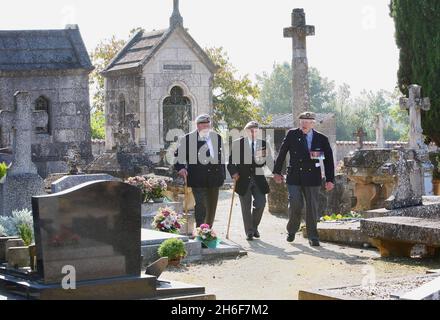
186, 205
230, 211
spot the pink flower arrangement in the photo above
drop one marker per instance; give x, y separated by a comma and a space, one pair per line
205, 233
167, 220
151, 188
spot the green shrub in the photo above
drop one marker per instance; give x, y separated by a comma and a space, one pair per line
2, 231
173, 249
26, 234
3, 169
11, 224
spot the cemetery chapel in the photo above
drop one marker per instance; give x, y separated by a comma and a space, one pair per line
163, 78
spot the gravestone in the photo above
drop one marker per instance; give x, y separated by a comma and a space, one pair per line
299, 32
416, 104
68, 182
22, 180
380, 139
360, 136
94, 227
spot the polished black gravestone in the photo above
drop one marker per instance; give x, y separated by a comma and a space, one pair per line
95, 230
94, 227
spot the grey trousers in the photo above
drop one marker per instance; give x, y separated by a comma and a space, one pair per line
206, 205
252, 211
297, 195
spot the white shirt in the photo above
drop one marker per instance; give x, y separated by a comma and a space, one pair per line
255, 145
210, 145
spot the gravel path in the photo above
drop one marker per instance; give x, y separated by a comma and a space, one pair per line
275, 269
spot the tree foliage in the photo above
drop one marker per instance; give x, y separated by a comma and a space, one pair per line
235, 98
418, 38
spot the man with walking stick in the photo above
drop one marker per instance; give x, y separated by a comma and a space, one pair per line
307, 148
248, 157
200, 161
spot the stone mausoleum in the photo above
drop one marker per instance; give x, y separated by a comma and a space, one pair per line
165, 79
53, 66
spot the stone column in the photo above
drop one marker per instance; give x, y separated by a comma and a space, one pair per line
299, 32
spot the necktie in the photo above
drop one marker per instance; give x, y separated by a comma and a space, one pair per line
305, 142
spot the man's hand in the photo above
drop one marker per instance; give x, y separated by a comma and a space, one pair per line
329, 186
183, 173
236, 177
278, 178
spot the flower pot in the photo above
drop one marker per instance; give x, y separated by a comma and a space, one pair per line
174, 262
211, 244
436, 185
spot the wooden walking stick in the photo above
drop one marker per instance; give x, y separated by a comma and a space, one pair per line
230, 211
186, 205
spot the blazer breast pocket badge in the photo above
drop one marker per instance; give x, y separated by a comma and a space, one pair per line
317, 155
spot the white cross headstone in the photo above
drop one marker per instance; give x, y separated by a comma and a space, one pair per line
416, 104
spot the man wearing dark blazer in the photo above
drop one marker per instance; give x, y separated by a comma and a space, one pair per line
307, 148
247, 159
200, 159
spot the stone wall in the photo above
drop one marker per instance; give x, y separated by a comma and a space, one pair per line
121, 91
69, 115
98, 147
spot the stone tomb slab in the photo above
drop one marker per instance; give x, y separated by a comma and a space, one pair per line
396, 236
94, 227
391, 289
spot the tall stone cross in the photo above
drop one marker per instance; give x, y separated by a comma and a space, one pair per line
360, 136
22, 122
415, 104
380, 139
299, 31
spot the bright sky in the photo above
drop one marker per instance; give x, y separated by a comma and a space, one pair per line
354, 40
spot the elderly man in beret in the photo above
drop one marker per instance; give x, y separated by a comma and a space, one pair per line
248, 157
200, 160
307, 148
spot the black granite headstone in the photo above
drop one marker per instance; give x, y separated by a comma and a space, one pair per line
94, 227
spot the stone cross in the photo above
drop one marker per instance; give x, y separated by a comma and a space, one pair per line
360, 136
22, 122
415, 104
380, 139
299, 32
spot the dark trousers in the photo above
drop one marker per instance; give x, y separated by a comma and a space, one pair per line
252, 211
206, 205
297, 195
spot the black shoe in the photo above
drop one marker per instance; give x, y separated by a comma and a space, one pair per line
290, 238
256, 235
250, 237
314, 243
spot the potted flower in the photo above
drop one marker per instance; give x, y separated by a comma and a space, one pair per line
174, 250
168, 220
141, 183
207, 236
155, 189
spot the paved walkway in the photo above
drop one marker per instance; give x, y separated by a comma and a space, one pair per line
275, 269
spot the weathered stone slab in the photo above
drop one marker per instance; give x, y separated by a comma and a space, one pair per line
429, 210
382, 290
428, 291
396, 236
348, 233
3, 241
68, 182
94, 227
